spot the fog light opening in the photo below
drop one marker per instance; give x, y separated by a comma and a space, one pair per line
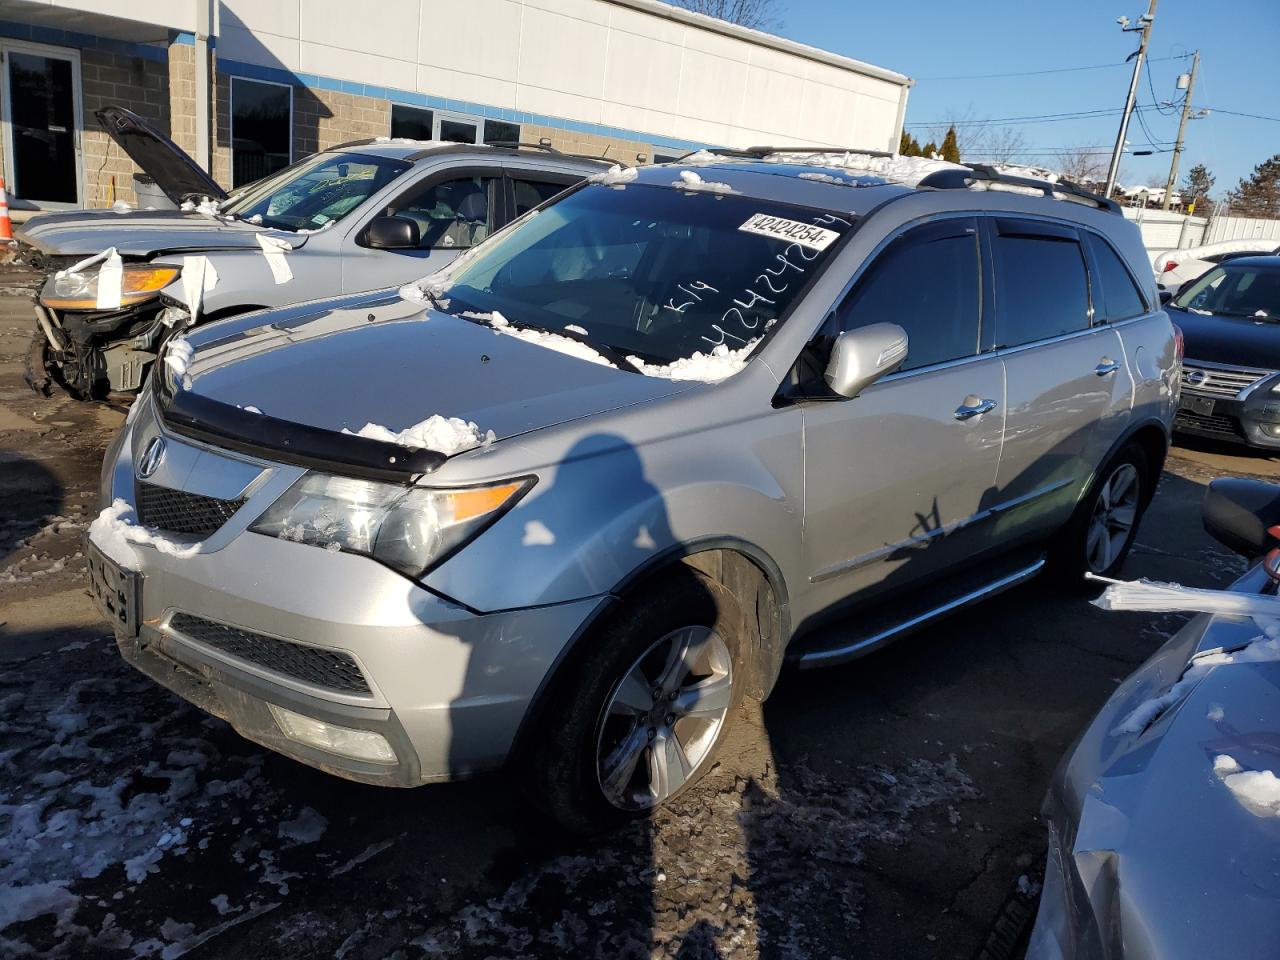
344, 741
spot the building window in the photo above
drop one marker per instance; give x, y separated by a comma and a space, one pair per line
412, 123
261, 129
499, 131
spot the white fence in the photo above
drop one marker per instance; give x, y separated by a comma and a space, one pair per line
1166, 230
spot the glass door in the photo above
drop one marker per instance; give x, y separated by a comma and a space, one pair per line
41, 106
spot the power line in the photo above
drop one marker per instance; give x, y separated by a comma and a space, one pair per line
1038, 73
1030, 118
1236, 113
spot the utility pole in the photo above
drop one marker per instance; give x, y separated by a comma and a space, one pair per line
1182, 130
1144, 24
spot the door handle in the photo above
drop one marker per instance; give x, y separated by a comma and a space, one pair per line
967, 410
1105, 366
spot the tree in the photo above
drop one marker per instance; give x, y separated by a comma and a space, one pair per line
908, 146
1082, 165
929, 149
1259, 195
951, 145
1195, 188
755, 14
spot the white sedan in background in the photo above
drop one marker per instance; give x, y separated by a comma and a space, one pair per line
1173, 268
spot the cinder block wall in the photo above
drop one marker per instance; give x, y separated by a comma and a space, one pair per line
137, 83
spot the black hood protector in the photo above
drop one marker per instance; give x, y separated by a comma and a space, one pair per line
163, 160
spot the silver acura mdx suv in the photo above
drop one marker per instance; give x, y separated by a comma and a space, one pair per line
564, 505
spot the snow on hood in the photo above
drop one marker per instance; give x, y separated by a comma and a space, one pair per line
447, 435
720, 364
395, 365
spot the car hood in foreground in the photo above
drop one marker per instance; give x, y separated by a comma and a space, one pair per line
389, 362
1237, 341
141, 233
1157, 851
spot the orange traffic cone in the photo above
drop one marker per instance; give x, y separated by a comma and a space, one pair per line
6, 228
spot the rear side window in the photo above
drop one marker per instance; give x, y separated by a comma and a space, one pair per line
926, 281
1115, 295
530, 193
1042, 289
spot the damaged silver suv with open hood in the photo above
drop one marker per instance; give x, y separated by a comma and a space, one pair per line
565, 504
360, 216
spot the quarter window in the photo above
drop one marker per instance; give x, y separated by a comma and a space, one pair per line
450, 214
1042, 289
530, 193
926, 281
1115, 295
261, 129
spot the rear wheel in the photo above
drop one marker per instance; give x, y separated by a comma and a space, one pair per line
1102, 530
639, 718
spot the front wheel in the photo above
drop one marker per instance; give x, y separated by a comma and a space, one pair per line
1102, 530
640, 716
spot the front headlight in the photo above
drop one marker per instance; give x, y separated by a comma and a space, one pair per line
79, 291
407, 528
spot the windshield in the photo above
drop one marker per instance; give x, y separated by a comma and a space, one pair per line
315, 191
651, 271
1235, 291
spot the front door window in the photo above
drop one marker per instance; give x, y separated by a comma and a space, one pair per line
41, 109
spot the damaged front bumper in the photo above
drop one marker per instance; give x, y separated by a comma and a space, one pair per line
1149, 856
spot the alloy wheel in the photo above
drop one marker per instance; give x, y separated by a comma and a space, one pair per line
661, 721
1114, 514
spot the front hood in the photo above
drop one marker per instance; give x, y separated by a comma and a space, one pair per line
1237, 341
140, 233
1165, 859
394, 364
164, 161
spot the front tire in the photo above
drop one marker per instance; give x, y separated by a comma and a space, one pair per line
1102, 530
641, 714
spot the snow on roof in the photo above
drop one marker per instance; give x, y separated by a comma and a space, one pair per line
907, 171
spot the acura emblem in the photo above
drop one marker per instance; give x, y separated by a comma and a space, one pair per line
151, 457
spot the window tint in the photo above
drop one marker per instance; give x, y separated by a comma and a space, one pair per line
412, 123
926, 282
530, 193
1041, 288
1115, 296
450, 213
261, 121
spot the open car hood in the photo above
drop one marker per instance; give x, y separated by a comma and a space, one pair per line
163, 160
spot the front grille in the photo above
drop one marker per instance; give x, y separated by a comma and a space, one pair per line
180, 512
1219, 381
331, 669
1225, 427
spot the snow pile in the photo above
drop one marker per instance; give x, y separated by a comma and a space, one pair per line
701, 158
447, 435
905, 170
177, 356
430, 288
691, 181
552, 341
823, 178
206, 207
113, 534
720, 364
616, 176
1257, 790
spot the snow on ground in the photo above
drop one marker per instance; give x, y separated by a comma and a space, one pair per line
447, 435
689, 180
112, 794
719, 364
113, 531
616, 176
1257, 790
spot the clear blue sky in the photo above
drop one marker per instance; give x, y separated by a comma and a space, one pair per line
1239, 43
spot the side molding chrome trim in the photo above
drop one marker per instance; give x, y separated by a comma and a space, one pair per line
827, 658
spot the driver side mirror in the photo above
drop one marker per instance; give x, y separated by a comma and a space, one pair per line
861, 357
392, 233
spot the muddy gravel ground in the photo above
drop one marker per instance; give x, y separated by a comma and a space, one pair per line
887, 808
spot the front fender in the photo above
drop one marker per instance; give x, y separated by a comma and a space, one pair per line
599, 518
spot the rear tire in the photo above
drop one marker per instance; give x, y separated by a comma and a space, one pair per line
1101, 532
639, 716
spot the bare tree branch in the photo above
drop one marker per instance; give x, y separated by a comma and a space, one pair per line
755, 14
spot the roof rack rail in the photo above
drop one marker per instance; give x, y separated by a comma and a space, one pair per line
959, 179
545, 144
757, 153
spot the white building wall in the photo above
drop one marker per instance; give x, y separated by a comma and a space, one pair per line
631, 64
